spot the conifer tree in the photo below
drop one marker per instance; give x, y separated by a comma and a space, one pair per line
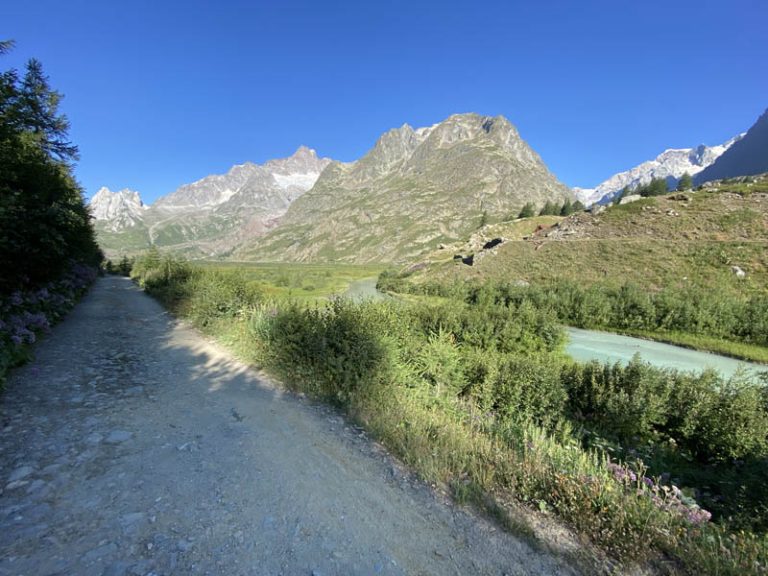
44, 223
527, 211
685, 182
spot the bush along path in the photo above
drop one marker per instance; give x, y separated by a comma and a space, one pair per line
131, 445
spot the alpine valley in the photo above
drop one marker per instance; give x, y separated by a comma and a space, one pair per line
210, 217
417, 189
414, 189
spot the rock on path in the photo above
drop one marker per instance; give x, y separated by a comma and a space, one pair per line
131, 446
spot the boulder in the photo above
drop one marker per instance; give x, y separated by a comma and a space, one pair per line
492, 243
629, 199
738, 272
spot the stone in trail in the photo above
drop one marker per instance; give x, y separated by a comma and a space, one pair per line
20, 473
118, 436
132, 446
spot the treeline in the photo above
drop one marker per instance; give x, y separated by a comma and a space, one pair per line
48, 251
476, 392
628, 307
656, 187
551, 209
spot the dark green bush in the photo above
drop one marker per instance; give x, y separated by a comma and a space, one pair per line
529, 389
335, 352
216, 295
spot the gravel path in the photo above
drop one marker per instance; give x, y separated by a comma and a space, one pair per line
132, 446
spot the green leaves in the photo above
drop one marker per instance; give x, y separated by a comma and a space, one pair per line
44, 223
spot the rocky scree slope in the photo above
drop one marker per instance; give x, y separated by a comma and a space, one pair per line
414, 190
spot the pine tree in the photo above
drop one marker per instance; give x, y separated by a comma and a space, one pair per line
527, 211
39, 113
685, 182
44, 223
549, 209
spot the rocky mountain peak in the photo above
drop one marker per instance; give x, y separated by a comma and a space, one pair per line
413, 188
122, 209
670, 165
748, 155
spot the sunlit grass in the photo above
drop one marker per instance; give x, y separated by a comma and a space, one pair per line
297, 281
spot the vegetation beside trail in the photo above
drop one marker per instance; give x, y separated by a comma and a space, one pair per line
692, 316
475, 393
298, 281
48, 252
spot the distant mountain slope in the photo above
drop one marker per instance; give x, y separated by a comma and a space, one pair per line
213, 215
670, 165
415, 189
746, 157
122, 209
695, 238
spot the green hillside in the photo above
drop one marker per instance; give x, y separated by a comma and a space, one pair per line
682, 239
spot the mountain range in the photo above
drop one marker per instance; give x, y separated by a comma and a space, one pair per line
669, 165
415, 188
208, 217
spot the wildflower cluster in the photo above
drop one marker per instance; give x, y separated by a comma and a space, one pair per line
24, 315
668, 498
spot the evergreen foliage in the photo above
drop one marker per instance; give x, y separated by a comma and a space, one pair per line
527, 211
44, 223
656, 187
685, 182
550, 209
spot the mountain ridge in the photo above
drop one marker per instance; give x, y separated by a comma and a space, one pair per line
213, 214
747, 157
670, 165
414, 188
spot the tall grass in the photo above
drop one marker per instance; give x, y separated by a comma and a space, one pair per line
477, 394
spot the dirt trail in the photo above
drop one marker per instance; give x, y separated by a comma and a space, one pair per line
132, 446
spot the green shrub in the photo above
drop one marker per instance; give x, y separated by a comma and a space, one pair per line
216, 295
529, 389
336, 352
439, 362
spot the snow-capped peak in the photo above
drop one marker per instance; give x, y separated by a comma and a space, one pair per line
122, 209
670, 165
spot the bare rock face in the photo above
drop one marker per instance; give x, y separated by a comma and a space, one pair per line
271, 186
119, 210
414, 188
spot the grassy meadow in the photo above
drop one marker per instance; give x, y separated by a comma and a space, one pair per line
296, 281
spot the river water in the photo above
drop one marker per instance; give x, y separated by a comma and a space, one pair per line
586, 345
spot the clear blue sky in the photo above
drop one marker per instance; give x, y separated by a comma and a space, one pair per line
162, 93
